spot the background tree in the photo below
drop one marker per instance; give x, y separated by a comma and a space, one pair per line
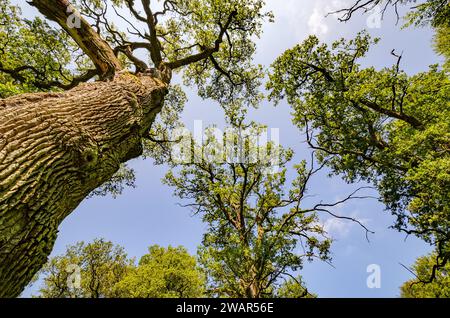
421, 287
163, 273
105, 271
100, 264
258, 230
381, 126
57, 147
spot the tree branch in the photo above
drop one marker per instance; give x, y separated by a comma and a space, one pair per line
15, 73
367, 6
206, 51
155, 45
83, 34
391, 113
140, 65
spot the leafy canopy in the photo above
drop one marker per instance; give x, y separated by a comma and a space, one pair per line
382, 126
100, 264
442, 45
293, 287
33, 55
164, 273
105, 271
421, 287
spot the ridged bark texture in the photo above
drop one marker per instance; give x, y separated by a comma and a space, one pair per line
55, 148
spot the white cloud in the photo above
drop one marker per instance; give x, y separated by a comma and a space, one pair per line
305, 16
319, 19
316, 22
337, 227
293, 14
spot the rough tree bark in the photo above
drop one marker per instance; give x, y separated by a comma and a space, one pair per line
55, 148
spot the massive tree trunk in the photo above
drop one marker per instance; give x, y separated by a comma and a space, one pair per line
55, 148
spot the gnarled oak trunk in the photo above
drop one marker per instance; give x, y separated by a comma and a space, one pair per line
55, 148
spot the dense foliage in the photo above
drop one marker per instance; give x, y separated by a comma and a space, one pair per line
86, 270
33, 55
163, 273
421, 287
101, 269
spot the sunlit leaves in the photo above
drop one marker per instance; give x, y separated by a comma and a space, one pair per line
99, 264
432, 12
163, 273
101, 269
442, 45
231, 72
422, 269
42, 53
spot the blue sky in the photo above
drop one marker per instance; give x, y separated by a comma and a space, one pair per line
150, 215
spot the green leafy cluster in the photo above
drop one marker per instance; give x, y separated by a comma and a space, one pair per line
34, 56
106, 272
236, 77
442, 45
163, 273
420, 287
101, 266
294, 287
432, 12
